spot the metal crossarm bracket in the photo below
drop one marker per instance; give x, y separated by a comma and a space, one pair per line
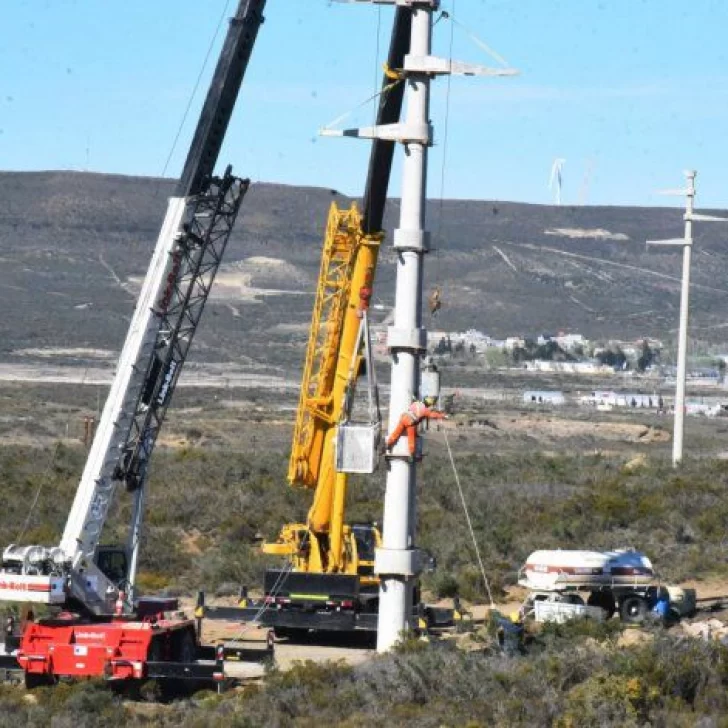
403, 133
432, 4
444, 66
703, 218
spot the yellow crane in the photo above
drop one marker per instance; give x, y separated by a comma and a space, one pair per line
329, 580
325, 544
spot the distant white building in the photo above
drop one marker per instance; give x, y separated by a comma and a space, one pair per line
515, 342
543, 397
569, 367
567, 342
621, 399
571, 341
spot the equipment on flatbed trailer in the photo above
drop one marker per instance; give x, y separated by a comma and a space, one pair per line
615, 582
100, 628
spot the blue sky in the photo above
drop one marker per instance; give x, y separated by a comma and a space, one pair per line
629, 92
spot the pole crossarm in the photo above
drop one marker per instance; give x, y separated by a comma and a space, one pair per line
435, 66
703, 218
432, 4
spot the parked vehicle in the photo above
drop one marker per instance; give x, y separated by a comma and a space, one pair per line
614, 582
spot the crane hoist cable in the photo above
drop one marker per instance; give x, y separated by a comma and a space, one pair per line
469, 522
42, 482
195, 87
43, 479
376, 57
444, 15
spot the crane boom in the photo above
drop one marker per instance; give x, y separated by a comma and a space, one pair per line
389, 112
186, 257
335, 321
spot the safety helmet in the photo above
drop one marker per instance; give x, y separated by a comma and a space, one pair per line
430, 400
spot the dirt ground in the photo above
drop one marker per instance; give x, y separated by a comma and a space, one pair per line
287, 653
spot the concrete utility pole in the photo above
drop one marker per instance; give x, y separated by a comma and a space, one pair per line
682, 345
398, 562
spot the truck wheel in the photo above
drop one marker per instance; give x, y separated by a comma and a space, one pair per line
38, 680
186, 648
156, 650
633, 610
604, 600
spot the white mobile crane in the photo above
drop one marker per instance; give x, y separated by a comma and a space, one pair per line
102, 629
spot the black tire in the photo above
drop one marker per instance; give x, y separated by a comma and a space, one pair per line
290, 633
38, 680
604, 600
156, 651
186, 648
633, 610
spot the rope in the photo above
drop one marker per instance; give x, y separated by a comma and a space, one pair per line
467, 518
196, 86
481, 44
43, 479
444, 155
385, 90
279, 582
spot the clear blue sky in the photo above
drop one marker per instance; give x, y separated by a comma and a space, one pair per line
636, 90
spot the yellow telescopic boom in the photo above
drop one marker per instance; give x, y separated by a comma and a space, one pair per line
345, 282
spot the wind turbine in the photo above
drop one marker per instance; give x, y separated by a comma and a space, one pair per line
555, 179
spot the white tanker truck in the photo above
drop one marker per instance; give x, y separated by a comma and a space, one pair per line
564, 584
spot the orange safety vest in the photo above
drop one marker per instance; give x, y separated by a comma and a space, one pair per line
417, 411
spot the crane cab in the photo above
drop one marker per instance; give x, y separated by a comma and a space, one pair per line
113, 561
367, 539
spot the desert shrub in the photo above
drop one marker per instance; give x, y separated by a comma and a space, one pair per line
517, 503
560, 635
605, 699
149, 582
446, 585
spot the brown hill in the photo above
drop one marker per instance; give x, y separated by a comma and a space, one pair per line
73, 246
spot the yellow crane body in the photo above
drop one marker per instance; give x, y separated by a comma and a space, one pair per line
324, 544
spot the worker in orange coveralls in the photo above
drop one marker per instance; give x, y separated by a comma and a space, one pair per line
408, 422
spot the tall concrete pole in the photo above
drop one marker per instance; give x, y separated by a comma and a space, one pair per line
397, 559
682, 342
397, 562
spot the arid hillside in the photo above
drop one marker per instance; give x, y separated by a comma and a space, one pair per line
75, 245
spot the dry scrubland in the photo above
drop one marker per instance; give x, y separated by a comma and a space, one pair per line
533, 478
567, 677
208, 509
